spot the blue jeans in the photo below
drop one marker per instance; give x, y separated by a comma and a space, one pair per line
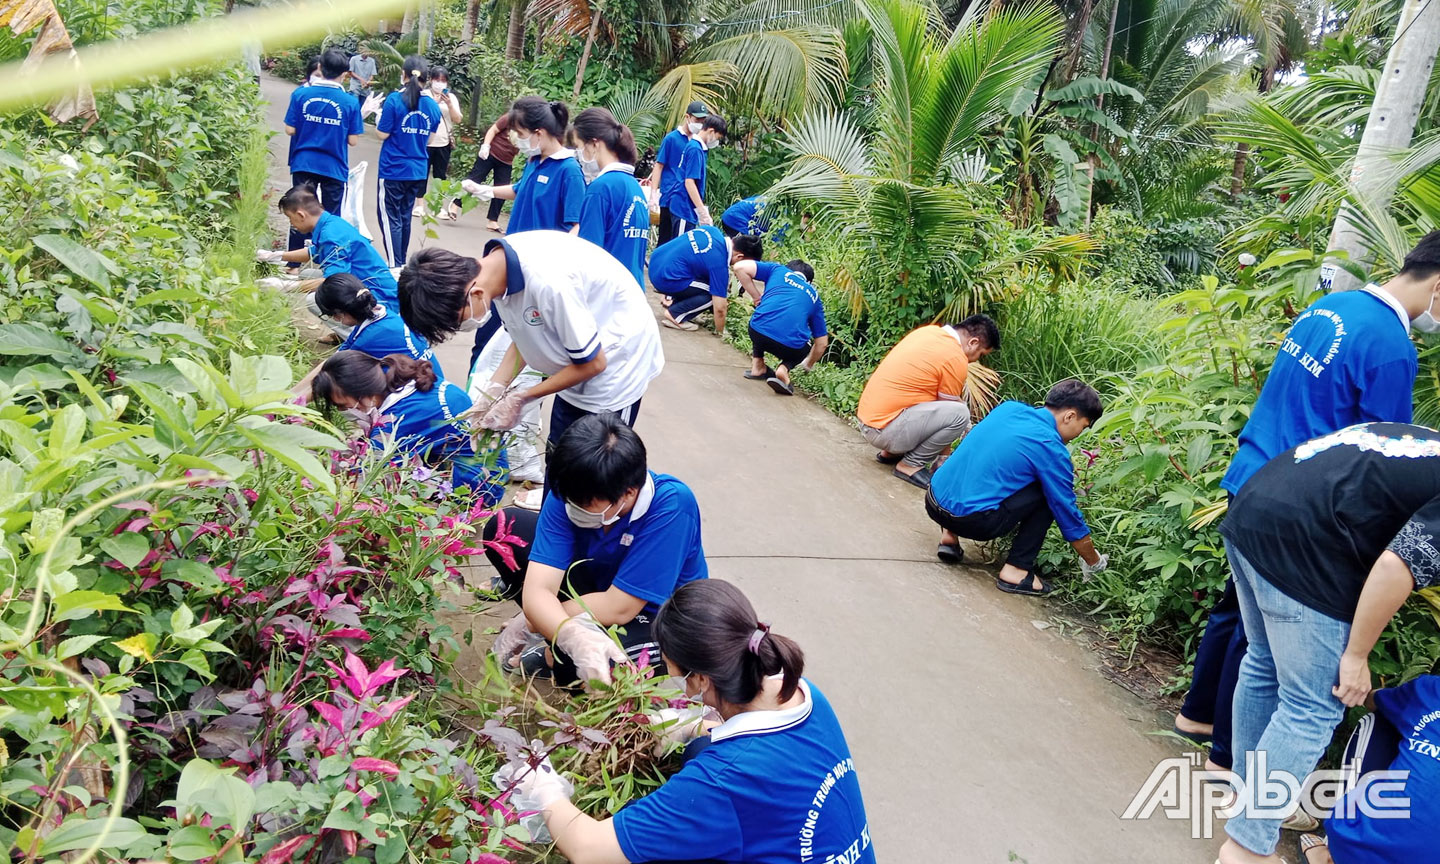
1284, 710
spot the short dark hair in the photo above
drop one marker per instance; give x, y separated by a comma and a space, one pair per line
432, 291
439, 72
708, 626
301, 199
344, 292
1423, 262
334, 63
983, 328
1074, 393
748, 246
803, 269
714, 121
598, 458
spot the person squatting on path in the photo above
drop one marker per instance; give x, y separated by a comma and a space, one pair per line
615, 215
913, 407
323, 122
686, 199
1326, 541
552, 189
374, 329
789, 319
693, 270
663, 176
1014, 473
1347, 359
407, 120
404, 399
571, 309
494, 161
610, 533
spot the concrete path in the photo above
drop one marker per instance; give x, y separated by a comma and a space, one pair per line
979, 738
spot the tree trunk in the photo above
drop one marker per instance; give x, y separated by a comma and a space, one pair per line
1105, 55
1242, 151
472, 21
408, 22
515, 35
589, 43
1077, 39
425, 25
229, 6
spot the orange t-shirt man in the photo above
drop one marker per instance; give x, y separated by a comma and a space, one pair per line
928, 365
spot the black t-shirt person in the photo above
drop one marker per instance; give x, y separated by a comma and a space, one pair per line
1316, 518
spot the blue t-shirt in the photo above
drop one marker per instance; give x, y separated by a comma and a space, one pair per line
789, 311
671, 146
691, 167
387, 334
324, 117
616, 217
699, 256
774, 787
1347, 359
1355, 838
648, 554
403, 156
1014, 446
425, 423
549, 195
337, 247
747, 215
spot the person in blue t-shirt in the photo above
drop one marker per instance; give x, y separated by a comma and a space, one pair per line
613, 538
374, 329
746, 216
615, 215
323, 122
407, 401
686, 199
1347, 359
407, 120
1402, 735
663, 176
775, 784
693, 270
789, 319
335, 247
1012, 472
551, 192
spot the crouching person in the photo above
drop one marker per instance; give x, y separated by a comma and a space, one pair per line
1013, 473
789, 319
610, 544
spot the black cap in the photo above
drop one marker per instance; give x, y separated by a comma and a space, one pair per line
697, 109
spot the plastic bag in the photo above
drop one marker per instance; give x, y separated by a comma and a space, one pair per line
352, 209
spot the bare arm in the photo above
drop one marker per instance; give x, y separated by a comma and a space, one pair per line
504, 193
540, 598
510, 366
1085, 547
289, 130
491, 133
745, 274
655, 176
720, 305
296, 256
381, 135
609, 607
1386, 588
583, 839
817, 350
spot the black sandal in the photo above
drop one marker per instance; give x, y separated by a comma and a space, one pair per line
888, 458
1026, 586
950, 554
768, 373
780, 386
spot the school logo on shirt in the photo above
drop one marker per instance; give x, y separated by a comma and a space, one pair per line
629, 228
316, 108
416, 123
532, 316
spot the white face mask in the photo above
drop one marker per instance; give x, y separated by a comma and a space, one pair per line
695, 128
471, 324
588, 165
582, 518
1427, 322
527, 146
437, 86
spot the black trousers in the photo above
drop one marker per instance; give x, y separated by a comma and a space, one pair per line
789, 357
395, 205
485, 168
667, 225
331, 193
582, 578
439, 162
1026, 512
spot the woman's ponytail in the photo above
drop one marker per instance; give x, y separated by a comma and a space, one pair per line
598, 124
561, 112
344, 292
416, 72
401, 370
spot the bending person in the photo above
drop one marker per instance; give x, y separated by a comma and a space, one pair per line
613, 538
374, 329
694, 271
777, 783
789, 319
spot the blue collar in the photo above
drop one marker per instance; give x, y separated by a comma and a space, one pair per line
514, 276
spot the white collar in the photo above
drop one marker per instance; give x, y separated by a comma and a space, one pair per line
625, 167
954, 334
1389, 300
397, 396
765, 722
643, 499
325, 82
683, 130
375, 315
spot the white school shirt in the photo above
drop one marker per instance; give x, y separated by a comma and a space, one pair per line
566, 299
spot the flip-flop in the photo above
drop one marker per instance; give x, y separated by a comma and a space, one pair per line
780, 386
763, 376
888, 458
1026, 586
1300, 821
920, 479
687, 326
1192, 737
950, 554
1308, 842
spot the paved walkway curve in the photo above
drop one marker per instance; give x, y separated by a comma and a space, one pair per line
977, 736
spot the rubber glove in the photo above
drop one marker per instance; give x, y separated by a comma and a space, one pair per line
274, 283
484, 151
479, 190
702, 215
372, 105
487, 396
676, 727
589, 647
652, 196
505, 413
531, 791
269, 256
1089, 570
512, 638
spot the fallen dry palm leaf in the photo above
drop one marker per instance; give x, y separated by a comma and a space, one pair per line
22, 16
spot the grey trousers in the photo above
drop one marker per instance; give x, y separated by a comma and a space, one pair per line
922, 432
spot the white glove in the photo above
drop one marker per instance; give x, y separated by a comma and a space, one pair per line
372, 105
484, 151
590, 648
274, 283
1089, 570
531, 791
512, 638
676, 727
269, 256
479, 190
702, 215
652, 197
491, 392
505, 413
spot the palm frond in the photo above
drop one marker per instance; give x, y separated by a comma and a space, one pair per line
703, 80
982, 390
784, 71
828, 154
643, 111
